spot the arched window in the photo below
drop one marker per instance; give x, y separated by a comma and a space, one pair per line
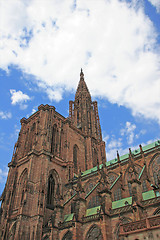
12, 232
95, 158
67, 236
75, 158
54, 140
117, 194
22, 188
94, 202
51, 191
94, 233
77, 117
156, 170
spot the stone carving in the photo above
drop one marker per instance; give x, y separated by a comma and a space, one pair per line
67, 236
94, 233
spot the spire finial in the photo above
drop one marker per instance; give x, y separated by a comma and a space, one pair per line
118, 156
81, 73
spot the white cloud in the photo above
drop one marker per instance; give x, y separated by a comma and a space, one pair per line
34, 109
114, 143
155, 3
3, 175
129, 132
112, 152
115, 42
54, 95
18, 97
5, 115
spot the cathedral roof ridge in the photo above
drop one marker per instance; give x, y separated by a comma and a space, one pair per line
123, 157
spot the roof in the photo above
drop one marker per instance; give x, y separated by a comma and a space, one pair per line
122, 202
148, 195
116, 204
128, 201
68, 217
92, 211
123, 157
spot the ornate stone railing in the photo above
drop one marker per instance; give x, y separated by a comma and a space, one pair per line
66, 224
141, 225
129, 227
154, 221
91, 218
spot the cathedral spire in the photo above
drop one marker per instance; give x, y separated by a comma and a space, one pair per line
83, 112
81, 74
82, 88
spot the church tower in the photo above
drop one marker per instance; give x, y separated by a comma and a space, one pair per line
84, 113
50, 151
60, 187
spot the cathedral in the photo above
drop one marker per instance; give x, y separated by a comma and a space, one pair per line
60, 186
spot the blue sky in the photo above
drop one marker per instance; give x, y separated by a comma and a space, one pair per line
44, 44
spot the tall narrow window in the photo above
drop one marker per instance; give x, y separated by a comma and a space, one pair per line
95, 158
51, 190
117, 194
77, 117
75, 158
53, 142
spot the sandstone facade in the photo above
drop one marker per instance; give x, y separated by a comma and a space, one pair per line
60, 187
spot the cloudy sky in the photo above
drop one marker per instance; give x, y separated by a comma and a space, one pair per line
44, 44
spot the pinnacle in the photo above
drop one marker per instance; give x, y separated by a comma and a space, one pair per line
82, 86
81, 73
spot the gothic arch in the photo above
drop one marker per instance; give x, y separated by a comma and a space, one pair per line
75, 158
157, 211
154, 168
22, 186
23, 175
93, 199
54, 188
127, 176
12, 231
94, 233
46, 237
117, 227
68, 236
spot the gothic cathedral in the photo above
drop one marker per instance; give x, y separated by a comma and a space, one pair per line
60, 186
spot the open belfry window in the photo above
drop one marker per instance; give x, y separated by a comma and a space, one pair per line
54, 140
51, 191
75, 158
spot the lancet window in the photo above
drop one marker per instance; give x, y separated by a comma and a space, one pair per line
94, 202
154, 169
75, 158
95, 158
117, 194
51, 191
22, 188
54, 140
